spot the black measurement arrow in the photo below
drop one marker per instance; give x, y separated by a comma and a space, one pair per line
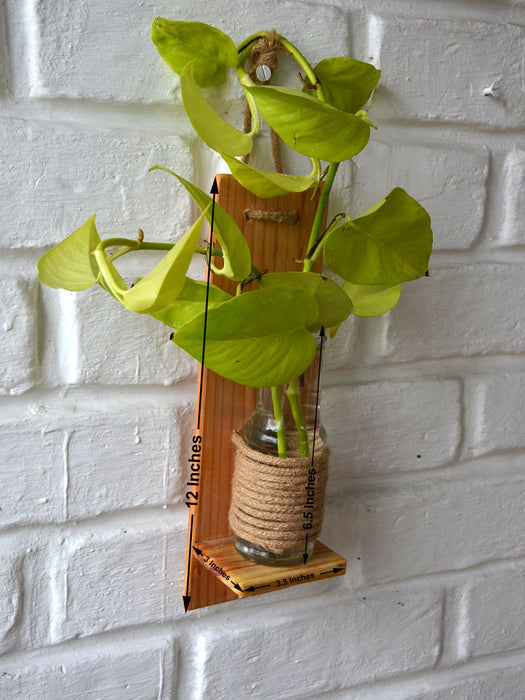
186, 598
236, 586
332, 571
322, 337
214, 191
198, 551
255, 588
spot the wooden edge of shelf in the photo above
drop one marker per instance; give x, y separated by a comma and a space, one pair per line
246, 578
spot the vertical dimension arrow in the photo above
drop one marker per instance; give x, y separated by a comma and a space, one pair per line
193, 496
214, 192
322, 337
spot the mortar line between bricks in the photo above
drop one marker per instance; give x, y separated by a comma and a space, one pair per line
167, 118
459, 452
443, 627
444, 677
455, 577
97, 112
79, 397
160, 119
483, 468
129, 517
456, 368
464, 10
65, 458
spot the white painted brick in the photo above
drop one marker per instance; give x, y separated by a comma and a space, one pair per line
460, 310
19, 363
423, 528
497, 683
514, 205
32, 473
71, 38
114, 574
111, 345
466, 682
497, 422
438, 69
124, 459
339, 351
322, 647
68, 172
391, 426
450, 182
24, 591
496, 608
132, 667
11, 594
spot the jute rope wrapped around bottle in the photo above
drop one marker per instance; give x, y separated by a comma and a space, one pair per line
272, 497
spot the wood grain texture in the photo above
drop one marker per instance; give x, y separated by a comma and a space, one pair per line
226, 405
245, 578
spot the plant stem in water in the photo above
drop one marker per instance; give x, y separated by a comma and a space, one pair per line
279, 421
292, 393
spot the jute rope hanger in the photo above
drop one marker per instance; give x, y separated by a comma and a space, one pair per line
269, 496
264, 55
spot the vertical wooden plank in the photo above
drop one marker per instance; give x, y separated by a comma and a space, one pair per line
227, 405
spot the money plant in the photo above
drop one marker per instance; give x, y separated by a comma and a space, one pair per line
264, 335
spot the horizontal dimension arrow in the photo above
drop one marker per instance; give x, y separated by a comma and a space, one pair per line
254, 588
332, 571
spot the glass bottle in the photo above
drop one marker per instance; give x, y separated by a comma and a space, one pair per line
261, 434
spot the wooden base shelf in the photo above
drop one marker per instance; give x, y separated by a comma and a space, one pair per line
245, 578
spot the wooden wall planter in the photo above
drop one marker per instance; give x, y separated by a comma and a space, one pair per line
215, 572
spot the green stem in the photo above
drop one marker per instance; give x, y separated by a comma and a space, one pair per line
279, 421
293, 396
301, 60
107, 273
246, 81
318, 221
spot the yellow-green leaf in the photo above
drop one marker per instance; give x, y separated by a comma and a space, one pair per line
212, 129
237, 258
371, 300
70, 265
309, 126
163, 284
389, 244
267, 184
346, 82
181, 42
190, 303
333, 304
257, 338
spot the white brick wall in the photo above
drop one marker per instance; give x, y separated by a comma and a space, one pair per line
424, 406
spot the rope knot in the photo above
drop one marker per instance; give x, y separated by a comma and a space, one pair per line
264, 54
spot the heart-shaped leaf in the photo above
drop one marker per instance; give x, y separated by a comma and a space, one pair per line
309, 126
181, 42
334, 305
371, 300
389, 244
164, 283
212, 129
237, 258
268, 184
190, 303
257, 338
346, 82
70, 265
